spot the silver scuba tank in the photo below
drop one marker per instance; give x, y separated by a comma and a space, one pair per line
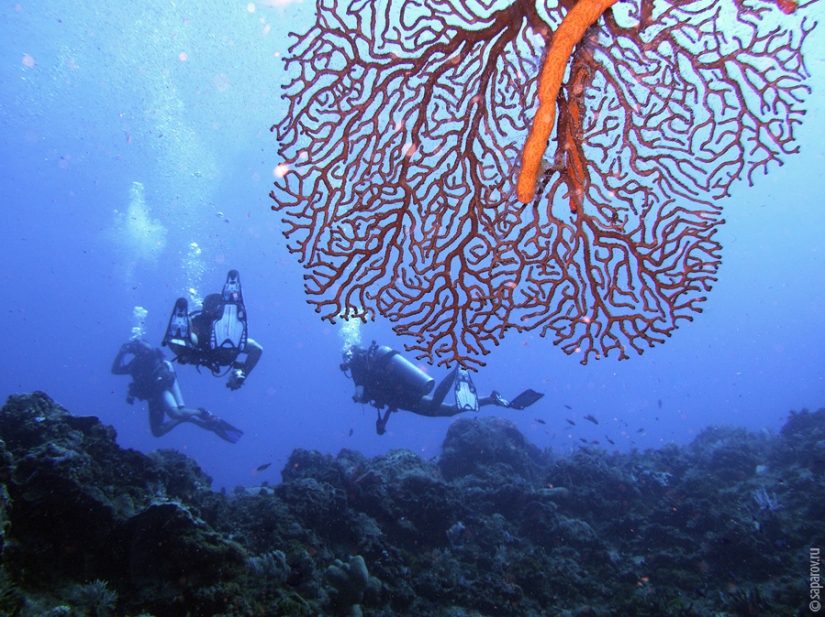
405, 372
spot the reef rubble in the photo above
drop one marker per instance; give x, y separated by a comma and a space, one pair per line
494, 526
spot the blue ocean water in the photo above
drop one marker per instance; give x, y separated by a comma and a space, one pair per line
136, 163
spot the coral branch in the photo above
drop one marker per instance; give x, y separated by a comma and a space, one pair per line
572, 28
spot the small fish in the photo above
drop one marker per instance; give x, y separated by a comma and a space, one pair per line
660, 403
540, 421
262, 467
610, 441
350, 432
591, 418
641, 430
571, 422
583, 440
568, 407
595, 442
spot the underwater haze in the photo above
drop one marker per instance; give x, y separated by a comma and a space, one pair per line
136, 166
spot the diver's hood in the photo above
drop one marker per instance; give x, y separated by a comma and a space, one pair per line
212, 303
142, 346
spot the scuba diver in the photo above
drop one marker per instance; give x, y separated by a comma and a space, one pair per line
216, 335
154, 381
386, 379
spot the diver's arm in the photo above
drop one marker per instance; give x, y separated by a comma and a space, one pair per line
118, 367
253, 354
241, 370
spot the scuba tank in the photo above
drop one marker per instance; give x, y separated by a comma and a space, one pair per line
406, 376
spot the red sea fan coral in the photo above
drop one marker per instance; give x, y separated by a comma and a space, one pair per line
401, 150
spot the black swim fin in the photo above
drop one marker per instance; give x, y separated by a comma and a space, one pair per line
213, 423
525, 399
226, 431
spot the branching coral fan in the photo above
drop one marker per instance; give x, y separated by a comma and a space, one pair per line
403, 143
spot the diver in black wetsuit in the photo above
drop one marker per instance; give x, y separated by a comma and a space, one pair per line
154, 381
386, 379
216, 335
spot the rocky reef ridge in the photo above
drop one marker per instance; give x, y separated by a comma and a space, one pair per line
495, 526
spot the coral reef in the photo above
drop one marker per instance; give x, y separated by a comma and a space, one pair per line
94, 599
350, 583
493, 527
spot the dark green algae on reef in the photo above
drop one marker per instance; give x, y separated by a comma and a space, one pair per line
722, 527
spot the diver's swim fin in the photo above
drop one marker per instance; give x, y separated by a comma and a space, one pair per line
229, 330
232, 288
525, 399
213, 423
466, 397
177, 332
226, 431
